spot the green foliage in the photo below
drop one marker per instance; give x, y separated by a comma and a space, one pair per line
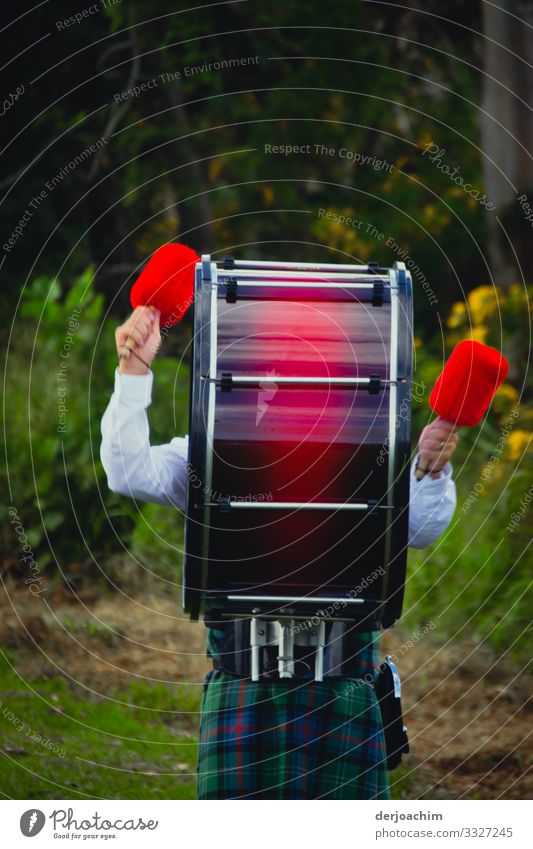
186, 159
157, 548
63, 356
476, 579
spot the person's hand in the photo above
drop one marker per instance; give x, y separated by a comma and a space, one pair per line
141, 334
436, 445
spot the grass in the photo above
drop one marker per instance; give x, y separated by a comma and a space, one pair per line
58, 743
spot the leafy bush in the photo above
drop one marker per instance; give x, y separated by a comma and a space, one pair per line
59, 377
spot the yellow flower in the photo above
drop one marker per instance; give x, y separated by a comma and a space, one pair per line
479, 334
215, 167
429, 213
517, 442
458, 315
425, 140
400, 162
506, 391
505, 401
268, 194
483, 302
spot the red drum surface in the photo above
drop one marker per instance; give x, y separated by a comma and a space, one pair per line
303, 443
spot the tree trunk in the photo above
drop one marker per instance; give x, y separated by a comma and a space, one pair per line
507, 135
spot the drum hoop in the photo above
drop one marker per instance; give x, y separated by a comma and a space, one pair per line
201, 409
396, 564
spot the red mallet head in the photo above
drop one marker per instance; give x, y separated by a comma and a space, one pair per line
167, 282
468, 383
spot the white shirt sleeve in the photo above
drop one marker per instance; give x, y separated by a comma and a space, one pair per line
158, 473
432, 504
154, 473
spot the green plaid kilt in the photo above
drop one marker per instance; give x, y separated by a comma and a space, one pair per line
292, 739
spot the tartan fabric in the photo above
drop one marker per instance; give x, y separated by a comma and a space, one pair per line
292, 739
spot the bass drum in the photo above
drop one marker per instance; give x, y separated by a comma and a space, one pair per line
299, 441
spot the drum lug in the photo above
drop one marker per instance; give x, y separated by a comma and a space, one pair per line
224, 504
375, 384
377, 294
231, 290
226, 381
372, 508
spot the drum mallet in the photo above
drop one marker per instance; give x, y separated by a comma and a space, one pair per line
166, 283
466, 386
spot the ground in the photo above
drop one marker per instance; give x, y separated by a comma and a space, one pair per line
99, 698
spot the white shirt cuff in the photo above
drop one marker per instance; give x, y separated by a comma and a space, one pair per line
134, 389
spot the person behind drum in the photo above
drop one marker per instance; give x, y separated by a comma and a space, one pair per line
272, 739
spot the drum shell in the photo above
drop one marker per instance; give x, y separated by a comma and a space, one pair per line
274, 443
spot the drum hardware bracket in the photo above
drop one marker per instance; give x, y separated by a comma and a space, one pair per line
231, 290
286, 634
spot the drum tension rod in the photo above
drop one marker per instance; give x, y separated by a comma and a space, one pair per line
226, 381
225, 505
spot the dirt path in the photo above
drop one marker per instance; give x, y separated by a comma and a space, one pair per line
469, 720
